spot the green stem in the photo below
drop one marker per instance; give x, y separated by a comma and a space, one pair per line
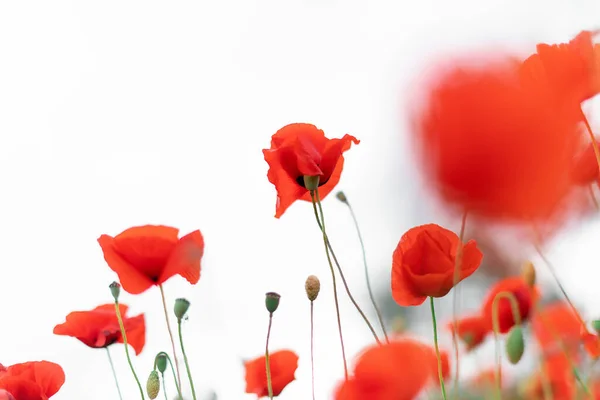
112, 367
164, 385
312, 352
124, 335
514, 304
437, 349
456, 278
174, 377
185, 359
164, 302
368, 280
335, 295
267, 361
328, 250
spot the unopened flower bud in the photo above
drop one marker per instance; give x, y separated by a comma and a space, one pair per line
312, 287
272, 301
515, 344
181, 307
160, 361
115, 289
153, 385
528, 273
341, 197
311, 182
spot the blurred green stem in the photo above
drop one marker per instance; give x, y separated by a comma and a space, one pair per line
437, 349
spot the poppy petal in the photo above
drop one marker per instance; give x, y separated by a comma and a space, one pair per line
185, 259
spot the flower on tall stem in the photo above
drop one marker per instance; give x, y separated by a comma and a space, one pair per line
34, 380
298, 150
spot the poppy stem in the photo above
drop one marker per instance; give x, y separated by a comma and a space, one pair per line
364, 256
185, 359
593, 139
164, 302
516, 314
437, 349
173, 371
456, 278
124, 335
329, 249
267, 361
112, 367
564, 349
162, 374
312, 351
335, 295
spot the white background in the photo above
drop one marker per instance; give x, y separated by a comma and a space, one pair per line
122, 113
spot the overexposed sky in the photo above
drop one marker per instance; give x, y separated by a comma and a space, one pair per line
123, 113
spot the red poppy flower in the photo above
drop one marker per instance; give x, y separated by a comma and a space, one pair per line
283, 365
149, 255
558, 375
494, 147
299, 150
4, 395
99, 327
398, 370
525, 295
472, 330
557, 321
572, 69
423, 263
35, 380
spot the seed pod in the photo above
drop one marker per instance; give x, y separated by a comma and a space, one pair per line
312, 287
153, 385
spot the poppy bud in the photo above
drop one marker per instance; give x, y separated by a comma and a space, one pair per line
272, 301
311, 183
596, 325
115, 289
161, 362
181, 307
312, 287
341, 197
528, 274
515, 344
153, 385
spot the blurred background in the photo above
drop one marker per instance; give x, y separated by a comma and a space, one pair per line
122, 113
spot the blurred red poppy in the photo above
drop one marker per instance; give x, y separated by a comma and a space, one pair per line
398, 370
34, 380
283, 365
423, 263
299, 150
99, 327
144, 256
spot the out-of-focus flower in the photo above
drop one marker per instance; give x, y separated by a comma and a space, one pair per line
585, 166
556, 375
556, 323
398, 370
283, 365
99, 328
34, 380
423, 263
144, 256
299, 150
495, 146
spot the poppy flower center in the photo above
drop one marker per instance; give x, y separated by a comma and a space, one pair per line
300, 181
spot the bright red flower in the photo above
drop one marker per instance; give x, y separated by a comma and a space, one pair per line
4, 395
99, 327
398, 370
571, 69
494, 146
558, 376
423, 263
35, 380
472, 330
283, 365
299, 150
149, 255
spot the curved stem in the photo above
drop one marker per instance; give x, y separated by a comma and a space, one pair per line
164, 302
112, 367
185, 359
312, 351
329, 249
335, 296
267, 363
367, 279
437, 349
124, 335
456, 278
514, 305
174, 376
